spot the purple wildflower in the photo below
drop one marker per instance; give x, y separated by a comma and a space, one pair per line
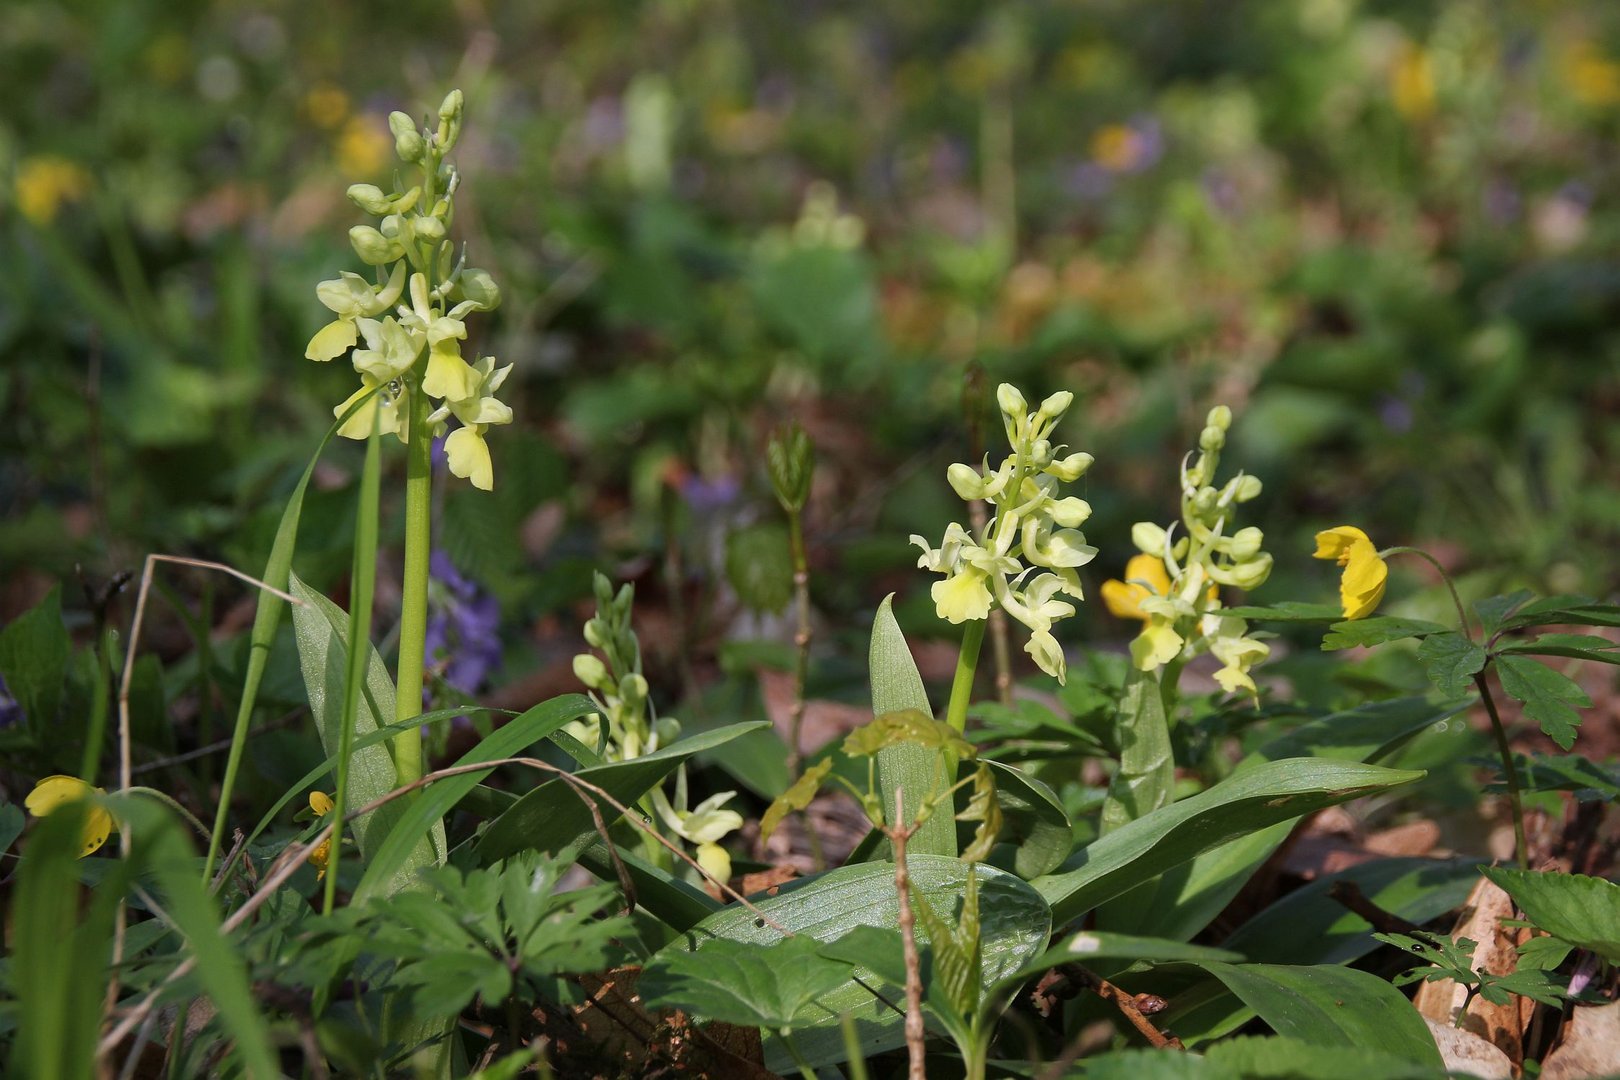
706, 496
11, 713
463, 631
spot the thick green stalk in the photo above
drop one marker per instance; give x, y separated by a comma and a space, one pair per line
413, 613
967, 664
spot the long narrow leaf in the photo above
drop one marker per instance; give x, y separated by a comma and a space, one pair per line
905, 767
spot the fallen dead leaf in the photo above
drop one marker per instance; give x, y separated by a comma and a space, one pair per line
1590, 1045
823, 721
1467, 1053
1497, 953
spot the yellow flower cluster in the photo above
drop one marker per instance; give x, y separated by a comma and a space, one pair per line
416, 350
1029, 553
1173, 586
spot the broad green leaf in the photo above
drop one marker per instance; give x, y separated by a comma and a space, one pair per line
1089, 946
321, 629
1573, 646
1036, 825
912, 770
555, 815
1259, 1057
1246, 802
1014, 924
1590, 781
1584, 911
1333, 1006
1451, 661
1147, 770
674, 902
1184, 900
431, 804
1289, 611
1493, 611
1376, 631
1309, 926
34, 651
1550, 698
761, 985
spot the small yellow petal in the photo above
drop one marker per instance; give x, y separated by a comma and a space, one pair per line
468, 456
448, 376
1124, 598
1156, 645
320, 802
1335, 543
715, 860
332, 340
962, 596
56, 791
320, 857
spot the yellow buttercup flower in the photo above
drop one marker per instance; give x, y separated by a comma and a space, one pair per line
1145, 576
55, 791
1365, 574
321, 803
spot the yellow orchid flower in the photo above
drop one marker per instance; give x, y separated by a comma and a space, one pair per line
321, 803
1365, 574
1145, 576
55, 791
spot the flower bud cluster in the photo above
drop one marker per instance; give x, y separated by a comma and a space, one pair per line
410, 313
1180, 601
1029, 553
617, 686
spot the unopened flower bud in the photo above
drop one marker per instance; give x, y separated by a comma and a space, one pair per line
1244, 488
594, 635
1245, 543
1071, 468
1040, 453
1219, 417
408, 142
1203, 503
965, 481
1211, 439
450, 108
430, 229
373, 247
590, 671
370, 198
1148, 538
1056, 405
633, 689
479, 287
1011, 401
1070, 513
666, 729
1251, 574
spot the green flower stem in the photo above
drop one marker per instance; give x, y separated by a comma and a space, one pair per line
801, 641
1515, 799
172, 804
413, 613
967, 663
798, 1056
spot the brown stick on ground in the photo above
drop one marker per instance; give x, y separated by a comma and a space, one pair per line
916, 1035
1350, 895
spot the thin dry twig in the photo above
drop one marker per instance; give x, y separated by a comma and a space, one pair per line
1349, 894
1081, 976
916, 1033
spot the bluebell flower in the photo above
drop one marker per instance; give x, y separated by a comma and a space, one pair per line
463, 640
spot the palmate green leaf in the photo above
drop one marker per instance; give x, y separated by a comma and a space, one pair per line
1590, 781
555, 816
1573, 646
955, 948
1327, 1005
1251, 800
796, 797
431, 804
321, 630
1494, 611
1014, 924
1549, 697
1584, 911
1147, 769
1451, 661
768, 986
906, 726
445, 983
905, 767
34, 652
1376, 631
1036, 825
1564, 611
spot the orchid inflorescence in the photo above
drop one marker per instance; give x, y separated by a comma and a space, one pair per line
1173, 586
430, 292
1029, 552
633, 729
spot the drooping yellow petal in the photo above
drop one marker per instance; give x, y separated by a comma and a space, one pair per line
715, 860
320, 857
962, 596
320, 802
448, 375
332, 340
1365, 574
1124, 598
468, 456
56, 791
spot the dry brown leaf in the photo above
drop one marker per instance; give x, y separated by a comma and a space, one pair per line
1497, 953
1590, 1045
1465, 1052
823, 721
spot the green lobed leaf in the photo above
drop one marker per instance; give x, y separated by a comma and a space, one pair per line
905, 767
798, 796
761, 985
1376, 631
1584, 911
1451, 661
1493, 611
1564, 611
1549, 697
1573, 646
1331, 1006
555, 815
1254, 799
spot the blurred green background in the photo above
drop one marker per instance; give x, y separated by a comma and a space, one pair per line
1383, 232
